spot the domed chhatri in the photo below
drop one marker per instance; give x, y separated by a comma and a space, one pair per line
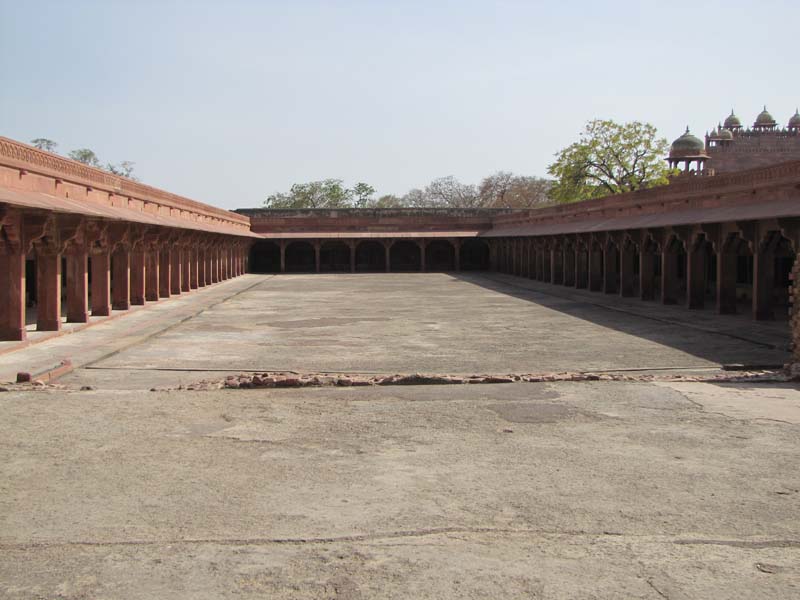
732, 122
764, 120
686, 146
720, 134
794, 122
688, 149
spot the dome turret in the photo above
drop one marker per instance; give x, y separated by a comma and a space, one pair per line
687, 146
732, 122
764, 120
794, 122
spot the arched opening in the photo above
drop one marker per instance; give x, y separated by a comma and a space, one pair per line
673, 271
300, 258
334, 257
265, 257
440, 255
474, 255
405, 255
772, 266
370, 257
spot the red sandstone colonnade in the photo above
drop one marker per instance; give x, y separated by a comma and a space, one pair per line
369, 254
77, 243
732, 266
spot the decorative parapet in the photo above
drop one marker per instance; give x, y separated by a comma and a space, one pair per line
680, 191
32, 160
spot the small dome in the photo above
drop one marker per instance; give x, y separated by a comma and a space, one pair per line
794, 122
724, 134
732, 121
764, 119
687, 145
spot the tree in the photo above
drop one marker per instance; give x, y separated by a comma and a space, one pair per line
609, 158
363, 193
448, 192
506, 190
328, 193
85, 156
123, 169
44, 144
387, 201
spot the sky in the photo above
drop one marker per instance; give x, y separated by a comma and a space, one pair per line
229, 102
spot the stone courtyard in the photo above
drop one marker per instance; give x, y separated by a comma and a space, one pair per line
661, 487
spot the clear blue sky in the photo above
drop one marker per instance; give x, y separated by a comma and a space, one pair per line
227, 102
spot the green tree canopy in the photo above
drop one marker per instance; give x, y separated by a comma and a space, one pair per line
328, 193
609, 158
44, 144
85, 156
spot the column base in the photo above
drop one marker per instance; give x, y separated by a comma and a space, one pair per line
13, 334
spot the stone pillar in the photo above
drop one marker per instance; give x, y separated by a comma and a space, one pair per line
569, 266
48, 285
726, 281
186, 269
422, 247
101, 284
164, 272
194, 278
557, 266
627, 258
763, 284
282, 245
457, 254
175, 271
647, 275
581, 268
201, 268
696, 276
352, 247
12, 296
387, 250
77, 287
595, 269
669, 277
121, 279
138, 275
152, 275
610, 269
546, 264
317, 256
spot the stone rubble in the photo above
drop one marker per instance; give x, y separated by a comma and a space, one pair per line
296, 380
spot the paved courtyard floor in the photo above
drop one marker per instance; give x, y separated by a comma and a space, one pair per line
526, 490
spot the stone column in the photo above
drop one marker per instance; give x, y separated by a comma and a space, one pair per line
77, 286
121, 279
595, 269
610, 269
669, 277
152, 275
546, 264
48, 285
726, 281
569, 266
101, 284
175, 271
352, 247
138, 275
557, 266
457, 254
164, 272
387, 251
696, 276
194, 278
763, 284
581, 268
627, 258
647, 275
282, 245
186, 269
422, 247
317, 256
12, 296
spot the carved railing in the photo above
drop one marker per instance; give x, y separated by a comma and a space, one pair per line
34, 160
680, 189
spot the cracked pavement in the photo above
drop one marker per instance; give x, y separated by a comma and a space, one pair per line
594, 489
